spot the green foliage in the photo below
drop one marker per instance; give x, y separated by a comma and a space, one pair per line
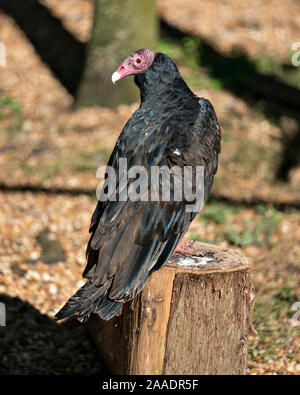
260, 208
248, 156
88, 161
194, 237
41, 172
10, 103
233, 71
286, 294
258, 231
187, 53
15, 126
191, 48
84, 162
218, 212
10, 110
266, 64
271, 318
240, 239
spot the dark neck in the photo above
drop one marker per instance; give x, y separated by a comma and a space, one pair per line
161, 80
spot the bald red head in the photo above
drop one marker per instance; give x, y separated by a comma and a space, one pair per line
136, 63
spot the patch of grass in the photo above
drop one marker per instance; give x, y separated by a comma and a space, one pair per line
225, 136
16, 126
10, 111
260, 208
46, 160
218, 212
193, 236
186, 53
286, 294
242, 158
84, 162
89, 161
103, 151
41, 172
271, 318
266, 64
9, 103
232, 71
258, 231
241, 239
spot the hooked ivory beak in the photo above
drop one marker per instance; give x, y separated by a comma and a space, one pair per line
115, 77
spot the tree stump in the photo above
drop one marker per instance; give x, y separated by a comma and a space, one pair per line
192, 317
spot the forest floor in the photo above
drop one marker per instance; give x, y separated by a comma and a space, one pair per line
49, 157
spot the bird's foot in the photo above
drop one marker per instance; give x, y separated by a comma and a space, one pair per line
186, 248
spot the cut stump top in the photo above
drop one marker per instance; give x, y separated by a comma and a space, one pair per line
197, 257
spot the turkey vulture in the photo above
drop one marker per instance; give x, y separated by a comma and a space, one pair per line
132, 238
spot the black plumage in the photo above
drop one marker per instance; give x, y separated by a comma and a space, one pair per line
131, 239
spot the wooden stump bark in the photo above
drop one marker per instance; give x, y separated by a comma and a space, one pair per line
192, 317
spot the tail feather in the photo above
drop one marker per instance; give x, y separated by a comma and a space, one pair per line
87, 300
108, 308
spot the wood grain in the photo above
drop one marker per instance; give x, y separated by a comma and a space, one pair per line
192, 317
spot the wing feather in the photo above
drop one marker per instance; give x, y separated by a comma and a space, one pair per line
129, 240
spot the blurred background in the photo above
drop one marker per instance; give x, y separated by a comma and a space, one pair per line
60, 117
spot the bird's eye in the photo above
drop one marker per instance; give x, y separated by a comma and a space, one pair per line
138, 61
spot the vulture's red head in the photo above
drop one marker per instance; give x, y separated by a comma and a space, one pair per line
136, 63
